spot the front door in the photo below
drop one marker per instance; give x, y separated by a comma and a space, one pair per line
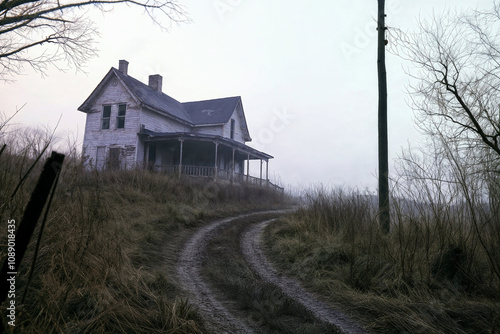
114, 158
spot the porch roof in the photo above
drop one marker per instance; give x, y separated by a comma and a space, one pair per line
151, 136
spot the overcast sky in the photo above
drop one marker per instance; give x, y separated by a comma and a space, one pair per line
306, 72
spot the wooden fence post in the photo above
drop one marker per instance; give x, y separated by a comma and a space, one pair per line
27, 225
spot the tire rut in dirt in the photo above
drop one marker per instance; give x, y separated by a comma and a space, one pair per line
209, 302
267, 309
251, 249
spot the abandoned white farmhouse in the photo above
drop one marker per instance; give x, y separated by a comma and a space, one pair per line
132, 124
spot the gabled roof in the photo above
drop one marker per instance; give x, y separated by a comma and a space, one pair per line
216, 111
197, 113
143, 94
154, 99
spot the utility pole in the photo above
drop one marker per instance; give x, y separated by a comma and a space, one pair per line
383, 156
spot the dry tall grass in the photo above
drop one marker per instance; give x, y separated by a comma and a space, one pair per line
434, 273
103, 264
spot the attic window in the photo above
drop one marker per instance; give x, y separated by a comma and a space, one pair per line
120, 119
232, 128
106, 115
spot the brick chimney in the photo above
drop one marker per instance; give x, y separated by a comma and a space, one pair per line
155, 82
123, 66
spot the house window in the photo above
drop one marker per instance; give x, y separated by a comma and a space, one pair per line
232, 129
106, 116
120, 119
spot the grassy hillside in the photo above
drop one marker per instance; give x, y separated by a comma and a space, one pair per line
105, 263
434, 273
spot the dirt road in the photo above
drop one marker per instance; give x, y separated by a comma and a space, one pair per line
250, 244
221, 314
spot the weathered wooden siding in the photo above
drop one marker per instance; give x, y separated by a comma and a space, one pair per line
125, 139
155, 122
216, 130
238, 132
158, 123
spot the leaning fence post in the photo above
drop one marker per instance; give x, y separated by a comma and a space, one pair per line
3, 148
27, 225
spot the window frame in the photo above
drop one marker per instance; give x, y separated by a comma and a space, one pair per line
120, 119
233, 126
105, 120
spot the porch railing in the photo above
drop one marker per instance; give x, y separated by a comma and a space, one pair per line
222, 174
198, 171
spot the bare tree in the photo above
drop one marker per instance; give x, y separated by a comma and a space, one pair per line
47, 32
456, 99
457, 72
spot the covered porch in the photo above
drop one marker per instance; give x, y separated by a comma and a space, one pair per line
203, 155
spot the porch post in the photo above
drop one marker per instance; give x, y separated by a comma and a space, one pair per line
232, 168
180, 157
267, 172
261, 171
146, 155
248, 166
216, 165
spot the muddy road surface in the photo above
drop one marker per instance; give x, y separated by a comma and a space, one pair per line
225, 273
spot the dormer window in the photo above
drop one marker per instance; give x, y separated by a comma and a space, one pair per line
120, 118
232, 128
106, 116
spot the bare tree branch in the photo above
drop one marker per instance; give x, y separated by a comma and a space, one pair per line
47, 32
456, 58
